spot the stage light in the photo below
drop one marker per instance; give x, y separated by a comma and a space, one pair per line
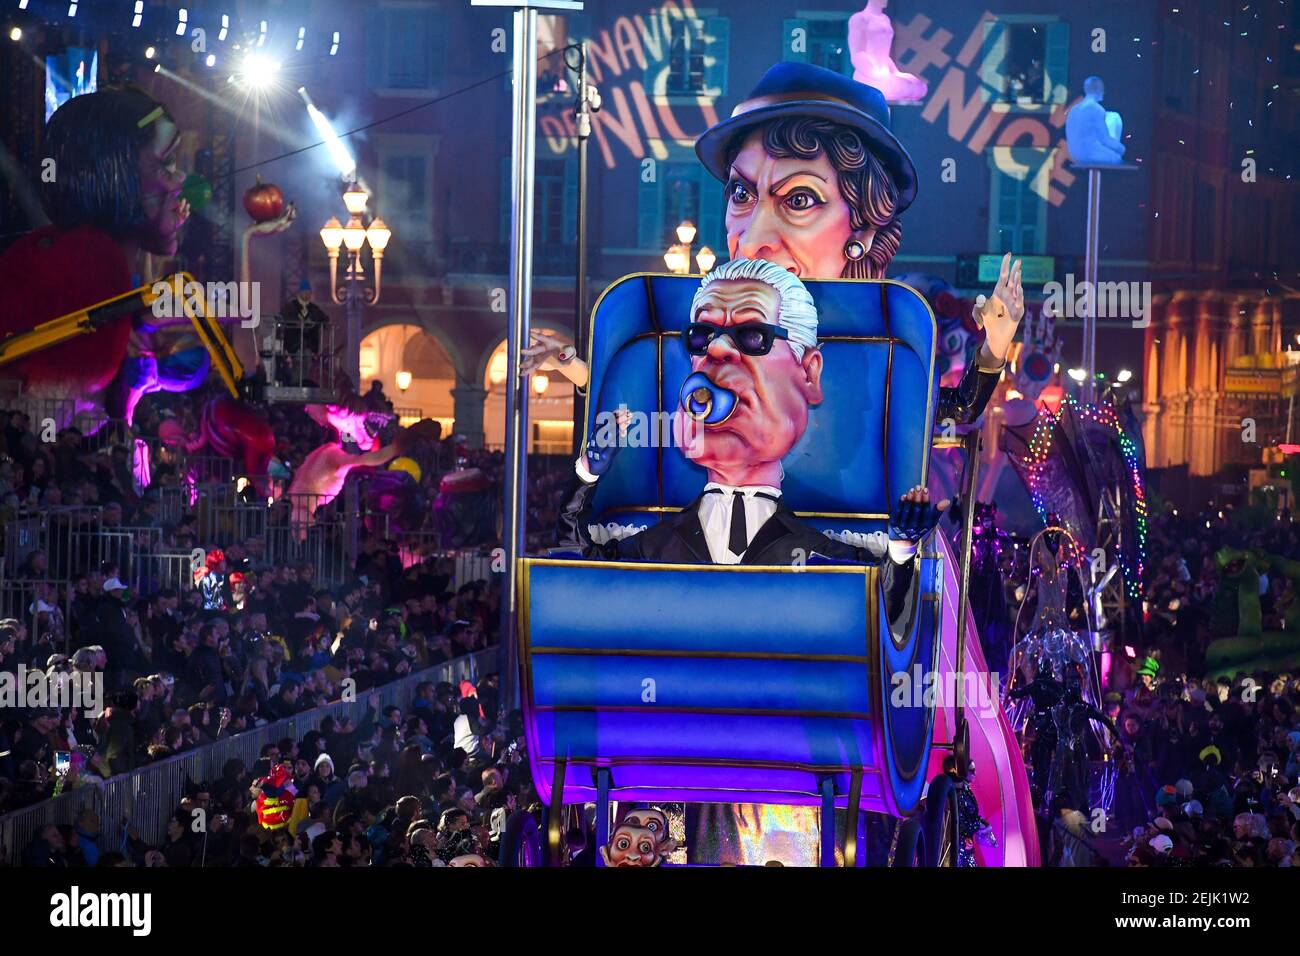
261, 29
403, 380
1078, 374
225, 27
16, 34
258, 71
72, 8
182, 22
139, 14
540, 384
157, 68
334, 44
1123, 376
302, 34
211, 59
149, 52
347, 166
22, 4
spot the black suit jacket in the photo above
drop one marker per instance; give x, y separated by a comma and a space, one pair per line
783, 540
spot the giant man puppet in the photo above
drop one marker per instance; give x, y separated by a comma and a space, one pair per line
815, 183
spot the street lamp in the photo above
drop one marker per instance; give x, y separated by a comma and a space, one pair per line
352, 295
353, 238
678, 255
678, 259
403, 380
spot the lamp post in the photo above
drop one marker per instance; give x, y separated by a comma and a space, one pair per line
352, 295
523, 143
678, 256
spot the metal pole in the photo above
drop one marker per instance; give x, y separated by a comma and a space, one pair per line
1089, 390
351, 499
514, 522
580, 293
972, 442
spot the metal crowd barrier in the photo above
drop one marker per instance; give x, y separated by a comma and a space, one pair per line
18, 600
56, 531
149, 795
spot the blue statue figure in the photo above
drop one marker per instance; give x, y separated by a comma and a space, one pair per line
1092, 132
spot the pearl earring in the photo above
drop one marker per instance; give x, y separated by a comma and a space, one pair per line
854, 250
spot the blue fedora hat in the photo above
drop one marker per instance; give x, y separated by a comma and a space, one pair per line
801, 89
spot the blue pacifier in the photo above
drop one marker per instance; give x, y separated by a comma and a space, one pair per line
706, 402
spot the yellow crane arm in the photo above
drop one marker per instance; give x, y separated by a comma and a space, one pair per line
95, 317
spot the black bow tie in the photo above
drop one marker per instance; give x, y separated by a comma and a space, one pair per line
738, 538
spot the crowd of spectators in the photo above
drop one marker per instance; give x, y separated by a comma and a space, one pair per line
249, 640
183, 670
432, 784
1206, 768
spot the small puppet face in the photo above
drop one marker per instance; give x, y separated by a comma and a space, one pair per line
656, 821
160, 191
631, 846
773, 391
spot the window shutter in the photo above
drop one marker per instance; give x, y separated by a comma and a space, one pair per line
718, 33
993, 53
788, 27
711, 220
1056, 67
571, 197
648, 214
437, 28
376, 36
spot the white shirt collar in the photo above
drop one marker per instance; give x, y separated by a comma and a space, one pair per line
746, 490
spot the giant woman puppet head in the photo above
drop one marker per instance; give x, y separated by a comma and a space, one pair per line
116, 165
815, 179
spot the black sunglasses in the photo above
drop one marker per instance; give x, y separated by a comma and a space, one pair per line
751, 338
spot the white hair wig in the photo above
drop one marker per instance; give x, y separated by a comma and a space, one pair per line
798, 313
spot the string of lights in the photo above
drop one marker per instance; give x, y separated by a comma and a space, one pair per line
204, 32
1040, 449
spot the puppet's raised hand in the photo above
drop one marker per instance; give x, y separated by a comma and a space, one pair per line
600, 451
999, 315
546, 353
914, 517
279, 224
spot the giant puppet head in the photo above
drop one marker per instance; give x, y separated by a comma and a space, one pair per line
115, 188
815, 179
116, 154
755, 371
